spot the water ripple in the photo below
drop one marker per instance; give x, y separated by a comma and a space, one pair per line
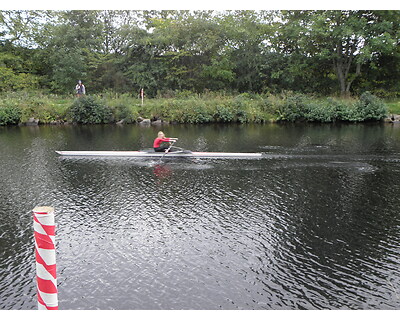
312, 225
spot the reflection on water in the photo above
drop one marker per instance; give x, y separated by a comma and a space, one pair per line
162, 171
314, 224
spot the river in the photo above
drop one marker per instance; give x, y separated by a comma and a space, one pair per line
314, 224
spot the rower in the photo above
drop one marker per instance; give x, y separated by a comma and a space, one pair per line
159, 140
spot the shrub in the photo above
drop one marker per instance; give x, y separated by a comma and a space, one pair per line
320, 112
241, 116
223, 114
9, 115
184, 94
240, 104
196, 112
88, 110
339, 109
293, 108
9, 80
124, 112
301, 108
211, 107
370, 107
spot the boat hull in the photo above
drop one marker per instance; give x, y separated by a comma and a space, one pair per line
144, 154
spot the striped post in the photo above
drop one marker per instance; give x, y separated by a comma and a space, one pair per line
45, 252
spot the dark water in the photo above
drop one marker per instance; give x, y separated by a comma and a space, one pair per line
315, 224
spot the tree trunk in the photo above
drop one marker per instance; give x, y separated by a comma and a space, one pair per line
342, 64
339, 70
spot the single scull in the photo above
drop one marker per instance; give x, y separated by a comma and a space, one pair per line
153, 154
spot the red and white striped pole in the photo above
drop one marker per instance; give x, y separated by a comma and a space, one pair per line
45, 251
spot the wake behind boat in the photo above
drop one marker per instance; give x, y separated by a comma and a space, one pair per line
152, 154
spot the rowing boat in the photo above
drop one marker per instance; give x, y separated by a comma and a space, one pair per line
153, 154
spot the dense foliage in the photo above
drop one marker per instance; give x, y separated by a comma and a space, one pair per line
320, 52
302, 108
88, 109
17, 108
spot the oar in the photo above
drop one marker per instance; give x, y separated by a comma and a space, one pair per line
166, 151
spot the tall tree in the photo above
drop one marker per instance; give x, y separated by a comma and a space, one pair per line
68, 44
184, 44
248, 34
346, 38
19, 27
307, 51
19, 30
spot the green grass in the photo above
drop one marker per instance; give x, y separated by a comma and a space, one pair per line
393, 106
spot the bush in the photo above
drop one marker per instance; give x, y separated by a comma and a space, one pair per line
320, 112
9, 80
301, 108
293, 108
9, 115
124, 112
339, 108
370, 107
195, 112
223, 114
217, 108
184, 94
88, 110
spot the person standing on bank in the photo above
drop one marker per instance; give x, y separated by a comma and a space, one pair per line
159, 140
80, 89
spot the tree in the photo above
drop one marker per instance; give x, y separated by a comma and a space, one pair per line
19, 27
246, 42
185, 43
246, 51
67, 42
348, 39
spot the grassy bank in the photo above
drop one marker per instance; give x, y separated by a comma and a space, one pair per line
17, 108
393, 106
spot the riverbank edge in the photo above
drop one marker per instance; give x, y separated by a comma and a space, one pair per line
392, 119
38, 109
